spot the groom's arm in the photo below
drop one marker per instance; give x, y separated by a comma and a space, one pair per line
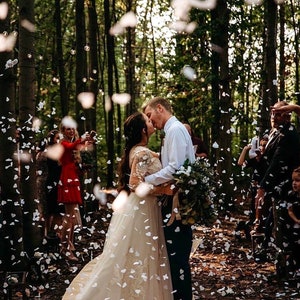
176, 147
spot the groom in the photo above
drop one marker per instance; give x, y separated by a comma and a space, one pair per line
177, 147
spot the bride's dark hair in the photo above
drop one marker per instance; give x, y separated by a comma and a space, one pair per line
133, 127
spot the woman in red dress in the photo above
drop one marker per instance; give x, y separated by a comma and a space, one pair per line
69, 189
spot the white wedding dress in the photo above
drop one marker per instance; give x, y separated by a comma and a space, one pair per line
134, 262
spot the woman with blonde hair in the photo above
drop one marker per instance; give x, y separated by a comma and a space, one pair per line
69, 186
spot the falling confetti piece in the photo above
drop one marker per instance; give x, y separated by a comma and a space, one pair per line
189, 73
55, 151
190, 27
3, 10
7, 42
178, 26
127, 20
143, 189
28, 25
36, 124
215, 145
121, 99
107, 104
120, 201
203, 5
68, 121
11, 63
99, 194
86, 99
181, 9
254, 2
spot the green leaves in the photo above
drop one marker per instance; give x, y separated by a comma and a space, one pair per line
197, 190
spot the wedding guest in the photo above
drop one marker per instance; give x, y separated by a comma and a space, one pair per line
177, 147
293, 228
134, 262
69, 187
281, 156
288, 108
54, 210
199, 146
253, 162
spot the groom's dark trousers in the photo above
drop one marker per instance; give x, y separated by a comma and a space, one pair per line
179, 244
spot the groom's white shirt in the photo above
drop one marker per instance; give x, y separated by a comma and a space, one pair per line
177, 147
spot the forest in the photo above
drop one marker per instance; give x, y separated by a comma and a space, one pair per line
222, 64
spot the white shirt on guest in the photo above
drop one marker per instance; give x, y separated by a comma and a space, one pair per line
177, 147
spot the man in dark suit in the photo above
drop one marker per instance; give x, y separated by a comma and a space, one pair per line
281, 157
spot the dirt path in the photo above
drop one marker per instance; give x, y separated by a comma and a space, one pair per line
222, 265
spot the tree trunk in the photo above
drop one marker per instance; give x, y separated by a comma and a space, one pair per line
130, 64
81, 63
282, 54
110, 113
222, 103
32, 234
297, 54
90, 113
269, 76
11, 232
64, 96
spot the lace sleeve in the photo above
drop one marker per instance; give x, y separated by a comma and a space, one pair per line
139, 168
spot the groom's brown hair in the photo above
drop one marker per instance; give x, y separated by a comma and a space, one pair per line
158, 100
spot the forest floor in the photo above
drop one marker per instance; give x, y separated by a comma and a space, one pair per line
222, 263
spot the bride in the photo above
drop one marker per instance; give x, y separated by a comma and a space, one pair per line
134, 262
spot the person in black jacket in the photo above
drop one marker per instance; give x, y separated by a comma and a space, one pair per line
280, 158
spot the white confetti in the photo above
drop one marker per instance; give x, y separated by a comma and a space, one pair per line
189, 73
207, 4
190, 27
143, 189
68, 121
3, 10
107, 104
7, 42
36, 124
99, 194
120, 201
86, 99
181, 9
28, 25
121, 99
11, 63
55, 151
215, 145
127, 20
253, 2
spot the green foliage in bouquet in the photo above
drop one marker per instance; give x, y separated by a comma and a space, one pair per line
197, 189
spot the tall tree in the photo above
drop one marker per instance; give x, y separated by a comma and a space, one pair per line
130, 65
110, 85
81, 61
221, 97
32, 238
11, 231
295, 25
64, 96
281, 95
269, 73
93, 64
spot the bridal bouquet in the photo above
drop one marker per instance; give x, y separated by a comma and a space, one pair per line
196, 185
